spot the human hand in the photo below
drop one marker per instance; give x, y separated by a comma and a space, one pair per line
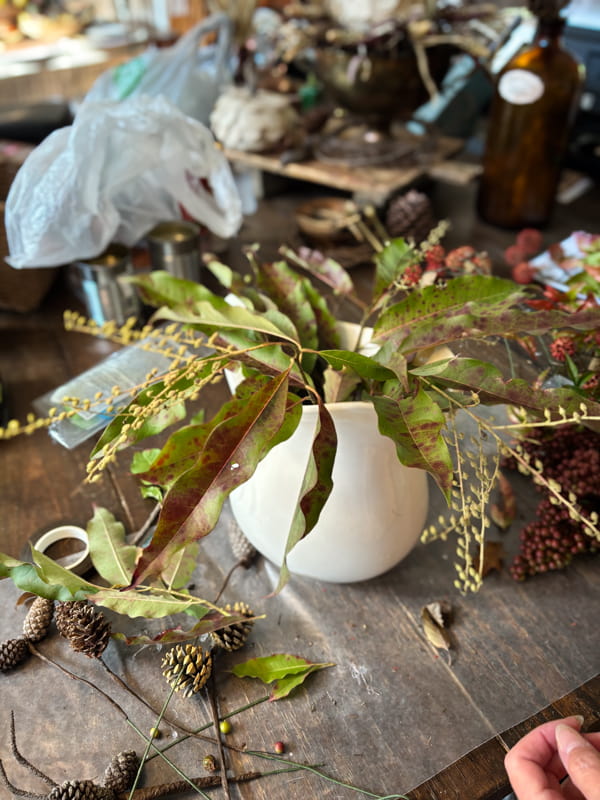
547, 755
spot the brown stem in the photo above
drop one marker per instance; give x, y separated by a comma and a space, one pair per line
74, 677
205, 782
146, 525
16, 792
226, 580
20, 759
212, 702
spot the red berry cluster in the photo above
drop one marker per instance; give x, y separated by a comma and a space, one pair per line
528, 243
570, 456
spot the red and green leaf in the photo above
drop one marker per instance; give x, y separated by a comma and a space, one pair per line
316, 486
233, 449
415, 426
487, 382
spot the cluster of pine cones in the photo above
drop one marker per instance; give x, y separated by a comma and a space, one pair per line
118, 778
86, 629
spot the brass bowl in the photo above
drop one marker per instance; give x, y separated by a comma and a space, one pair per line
326, 218
378, 85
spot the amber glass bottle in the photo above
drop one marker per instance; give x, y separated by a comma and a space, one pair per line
533, 107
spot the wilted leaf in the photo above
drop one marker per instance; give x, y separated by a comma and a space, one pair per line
283, 670
493, 553
503, 512
436, 634
111, 556
213, 621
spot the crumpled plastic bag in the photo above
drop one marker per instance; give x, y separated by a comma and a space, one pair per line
191, 77
110, 177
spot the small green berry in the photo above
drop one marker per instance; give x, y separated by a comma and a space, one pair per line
155, 733
279, 747
225, 726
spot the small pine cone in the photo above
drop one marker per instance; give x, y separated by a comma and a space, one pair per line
38, 619
187, 668
411, 216
12, 653
87, 630
234, 636
241, 547
121, 772
80, 790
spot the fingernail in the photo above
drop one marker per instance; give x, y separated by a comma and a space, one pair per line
567, 738
579, 719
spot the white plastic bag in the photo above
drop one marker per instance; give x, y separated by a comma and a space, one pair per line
190, 76
111, 176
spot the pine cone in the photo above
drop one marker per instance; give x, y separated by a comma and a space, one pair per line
411, 216
121, 772
241, 547
234, 636
80, 790
12, 653
87, 630
38, 619
187, 668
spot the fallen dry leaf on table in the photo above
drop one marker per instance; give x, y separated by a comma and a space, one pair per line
436, 633
493, 553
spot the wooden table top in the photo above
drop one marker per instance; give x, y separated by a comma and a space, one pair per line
391, 714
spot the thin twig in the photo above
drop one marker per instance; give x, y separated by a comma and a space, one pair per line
141, 532
212, 702
74, 677
20, 759
205, 782
226, 580
17, 792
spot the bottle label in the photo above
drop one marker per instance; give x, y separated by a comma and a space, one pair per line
520, 87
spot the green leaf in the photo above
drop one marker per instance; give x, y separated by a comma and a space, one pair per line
53, 573
415, 426
27, 577
132, 603
160, 288
390, 264
212, 621
363, 366
469, 307
234, 447
473, 305
284, 670
218, 316
143, 460
111, 556
179, 570
316, 486
151, 493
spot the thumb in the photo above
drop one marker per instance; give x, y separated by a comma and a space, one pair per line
581, 760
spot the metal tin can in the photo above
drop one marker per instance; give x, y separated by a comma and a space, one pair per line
96, 282
174, 246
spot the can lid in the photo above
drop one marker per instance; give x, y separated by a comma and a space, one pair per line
174, 236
